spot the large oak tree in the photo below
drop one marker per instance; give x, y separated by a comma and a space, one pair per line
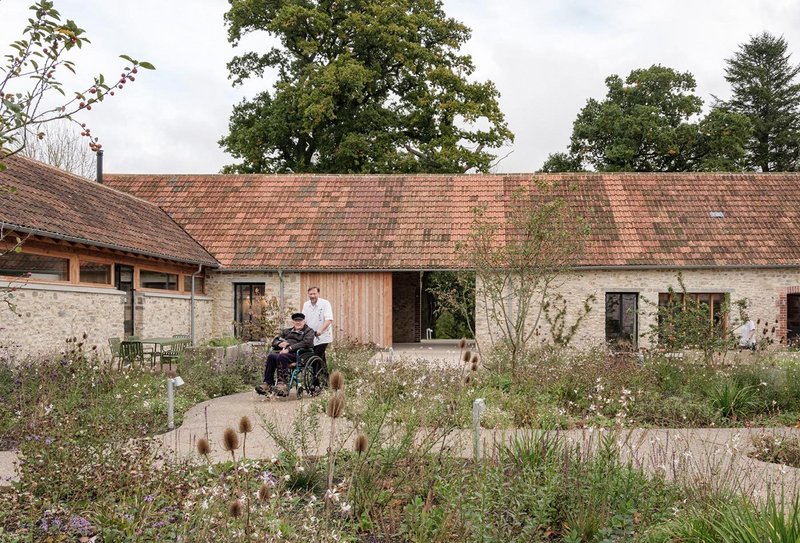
362, 86
650, 122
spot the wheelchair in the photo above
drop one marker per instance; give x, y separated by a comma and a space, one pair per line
308, 373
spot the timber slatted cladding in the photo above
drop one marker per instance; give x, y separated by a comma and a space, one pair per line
362, 303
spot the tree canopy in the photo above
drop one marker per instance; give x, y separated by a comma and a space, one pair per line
648, 122
362, 86
764, 89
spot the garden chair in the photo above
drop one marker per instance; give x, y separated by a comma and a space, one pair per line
132, 352
113, 343
174, 352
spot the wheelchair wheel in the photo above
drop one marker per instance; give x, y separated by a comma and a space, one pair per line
314, 376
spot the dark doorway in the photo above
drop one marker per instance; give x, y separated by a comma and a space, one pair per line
622, 326
124, 282
406, 300
793, 319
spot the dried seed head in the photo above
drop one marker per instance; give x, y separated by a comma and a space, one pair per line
474, 367
264, 493
230, 440
468, 379
336, 381
203, 447
335, 405
244, 425
235, 509
361, 443
467, 356
475, 359
462, 343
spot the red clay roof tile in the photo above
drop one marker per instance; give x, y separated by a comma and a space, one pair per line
397, 222
54, 203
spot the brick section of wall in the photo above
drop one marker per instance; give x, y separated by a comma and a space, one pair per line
764, 289
219, 286
50, 315
405, 307
164, 316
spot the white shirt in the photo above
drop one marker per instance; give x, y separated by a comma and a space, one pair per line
316, 315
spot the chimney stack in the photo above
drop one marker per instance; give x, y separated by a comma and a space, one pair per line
100, 166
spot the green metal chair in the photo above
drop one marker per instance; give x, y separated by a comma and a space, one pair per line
131, 352
113, 343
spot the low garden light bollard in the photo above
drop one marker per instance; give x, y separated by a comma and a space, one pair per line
171, 383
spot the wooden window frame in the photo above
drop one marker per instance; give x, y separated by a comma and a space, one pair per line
71, 262
138, 279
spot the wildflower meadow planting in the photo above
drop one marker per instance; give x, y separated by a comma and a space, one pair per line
386, 453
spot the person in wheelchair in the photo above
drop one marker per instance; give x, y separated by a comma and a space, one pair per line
285, 347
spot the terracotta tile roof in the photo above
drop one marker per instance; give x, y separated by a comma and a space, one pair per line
414, 221
54, 203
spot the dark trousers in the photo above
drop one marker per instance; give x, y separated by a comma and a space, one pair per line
319, 350
280, 362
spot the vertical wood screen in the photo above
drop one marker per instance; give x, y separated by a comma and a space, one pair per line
362, 303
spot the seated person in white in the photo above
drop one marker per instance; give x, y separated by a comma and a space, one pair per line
747, 335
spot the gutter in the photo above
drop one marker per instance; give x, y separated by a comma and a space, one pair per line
191, 308
222, 269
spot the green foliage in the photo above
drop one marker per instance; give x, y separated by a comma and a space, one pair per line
777, 448
738, 521
646, 123
363, 86
765, 90
453, 298
733, 400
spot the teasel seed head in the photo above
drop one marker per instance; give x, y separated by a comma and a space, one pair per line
475, 359
264, 493
245, 426
230, 440
335, 405
203, 447
235, 509
468, 379
362, 442
467, 356
474, 366
462, 343
337, 380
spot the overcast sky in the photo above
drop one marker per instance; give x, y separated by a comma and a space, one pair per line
547, 57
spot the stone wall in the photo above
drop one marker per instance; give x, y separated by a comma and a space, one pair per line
166, 314
219, 286
764, 289
50, 314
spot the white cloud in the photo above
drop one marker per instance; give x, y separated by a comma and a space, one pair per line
547, 58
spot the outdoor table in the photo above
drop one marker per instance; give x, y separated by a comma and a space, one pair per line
159, 343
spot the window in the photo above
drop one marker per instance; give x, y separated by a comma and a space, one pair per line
689, 318
46, 268
158, 280
793, 319
622, 327
95, 272
199, 284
